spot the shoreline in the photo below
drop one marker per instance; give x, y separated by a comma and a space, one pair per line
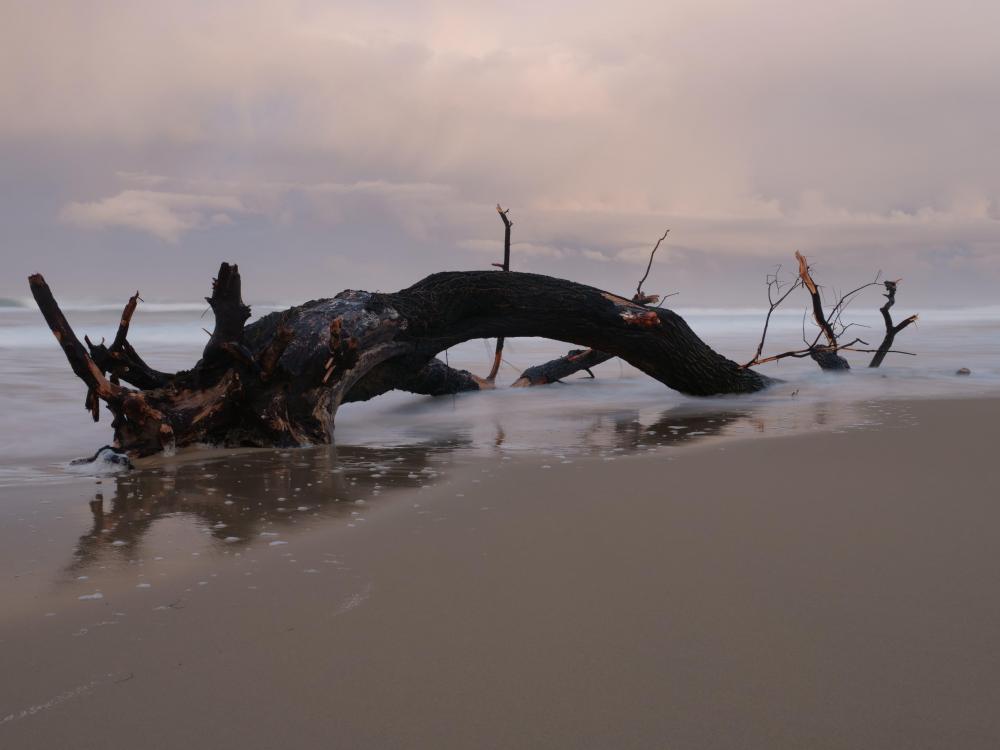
727, 419
828, 590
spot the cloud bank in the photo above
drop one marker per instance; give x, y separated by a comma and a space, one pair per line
371, 142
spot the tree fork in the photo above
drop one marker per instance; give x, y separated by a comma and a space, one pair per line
891, 330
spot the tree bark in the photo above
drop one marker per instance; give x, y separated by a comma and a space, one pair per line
279, 380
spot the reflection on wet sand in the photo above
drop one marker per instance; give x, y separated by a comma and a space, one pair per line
237, 498
243, 496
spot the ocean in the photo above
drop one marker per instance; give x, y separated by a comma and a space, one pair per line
43, 424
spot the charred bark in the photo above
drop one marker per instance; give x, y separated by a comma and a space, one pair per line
280, 380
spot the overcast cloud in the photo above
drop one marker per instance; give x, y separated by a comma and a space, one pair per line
327, 145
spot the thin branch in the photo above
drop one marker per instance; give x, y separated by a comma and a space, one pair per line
810, 351
638, 290
505, 266
773, 286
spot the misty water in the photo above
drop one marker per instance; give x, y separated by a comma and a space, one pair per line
43, 424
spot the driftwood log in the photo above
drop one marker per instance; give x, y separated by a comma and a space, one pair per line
279, 380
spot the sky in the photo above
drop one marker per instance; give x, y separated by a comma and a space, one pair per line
325, 146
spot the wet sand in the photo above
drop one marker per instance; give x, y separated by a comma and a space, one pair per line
831, 590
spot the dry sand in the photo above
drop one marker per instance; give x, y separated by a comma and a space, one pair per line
832, 590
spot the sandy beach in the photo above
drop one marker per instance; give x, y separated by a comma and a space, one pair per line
835, 589
529, 376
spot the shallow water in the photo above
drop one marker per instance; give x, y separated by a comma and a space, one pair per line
43, 423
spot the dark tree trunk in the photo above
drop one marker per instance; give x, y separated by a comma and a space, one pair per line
891, 329
280, 380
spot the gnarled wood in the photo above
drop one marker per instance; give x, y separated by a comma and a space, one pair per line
279, 381
122, 361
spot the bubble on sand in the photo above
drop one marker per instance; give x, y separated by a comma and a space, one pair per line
87, 597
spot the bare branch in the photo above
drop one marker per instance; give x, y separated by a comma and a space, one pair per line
505, 266
639, 296
773, 287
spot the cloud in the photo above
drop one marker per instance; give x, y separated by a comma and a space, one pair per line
385, 133
518, 249
163, 215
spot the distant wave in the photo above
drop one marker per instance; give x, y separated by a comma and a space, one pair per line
116, 307
984, 312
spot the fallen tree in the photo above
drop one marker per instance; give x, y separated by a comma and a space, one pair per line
280, 380
824, 348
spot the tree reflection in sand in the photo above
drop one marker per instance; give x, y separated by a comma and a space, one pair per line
238, 496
